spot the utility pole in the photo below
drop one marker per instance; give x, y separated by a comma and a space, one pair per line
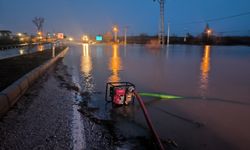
168, 34
125, 35
185, 35
161, 32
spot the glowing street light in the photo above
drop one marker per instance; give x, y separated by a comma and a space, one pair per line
21, 39
85, 38
19, 34
209, 32
71, 39
115, 30
39, 33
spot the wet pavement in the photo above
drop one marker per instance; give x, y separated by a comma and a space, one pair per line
54, 114
41, 119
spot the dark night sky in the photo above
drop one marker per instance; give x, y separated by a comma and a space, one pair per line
75, 17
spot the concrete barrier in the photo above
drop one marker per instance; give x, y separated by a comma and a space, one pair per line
10, 95
4, 105
13, 93
23, 84
33, 75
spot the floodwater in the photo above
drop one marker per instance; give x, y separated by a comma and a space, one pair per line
214, 82
22, 50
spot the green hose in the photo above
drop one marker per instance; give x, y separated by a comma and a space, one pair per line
161, 96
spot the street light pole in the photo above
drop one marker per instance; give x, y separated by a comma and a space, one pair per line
162, 33
115, 30
125, 35
168, 34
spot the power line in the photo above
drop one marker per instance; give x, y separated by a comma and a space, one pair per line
216, 19
228, 17
233, 31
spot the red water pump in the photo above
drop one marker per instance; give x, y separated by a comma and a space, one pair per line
120, 93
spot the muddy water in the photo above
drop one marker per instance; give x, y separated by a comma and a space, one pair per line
214, 81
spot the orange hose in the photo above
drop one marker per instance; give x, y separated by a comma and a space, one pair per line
149, 122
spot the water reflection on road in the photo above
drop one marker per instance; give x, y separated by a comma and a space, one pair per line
21, 51
115, 64
86, 68
205, 69
40, 47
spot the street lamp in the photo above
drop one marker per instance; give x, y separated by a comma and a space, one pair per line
85, 39
115, 30
19, 34
71, 39
39, 33
209, 32
40, 37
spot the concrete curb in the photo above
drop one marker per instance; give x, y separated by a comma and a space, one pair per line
10, 95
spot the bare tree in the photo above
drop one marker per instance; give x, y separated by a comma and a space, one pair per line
38, 21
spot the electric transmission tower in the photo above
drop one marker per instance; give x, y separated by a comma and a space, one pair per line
161, 32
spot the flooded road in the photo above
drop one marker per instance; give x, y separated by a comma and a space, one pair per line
214, 81
23, 50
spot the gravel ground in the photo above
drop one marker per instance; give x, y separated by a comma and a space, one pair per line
41, 119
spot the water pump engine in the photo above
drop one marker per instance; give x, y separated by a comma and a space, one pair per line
120, 93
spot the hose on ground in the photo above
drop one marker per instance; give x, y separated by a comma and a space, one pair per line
148, 120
